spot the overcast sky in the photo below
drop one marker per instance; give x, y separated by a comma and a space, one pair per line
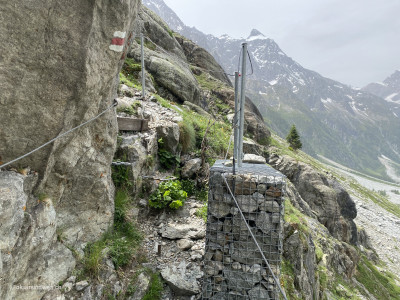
353, 41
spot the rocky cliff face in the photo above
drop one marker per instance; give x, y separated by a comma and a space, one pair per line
389, 89
328, 201
59, 68
183, 71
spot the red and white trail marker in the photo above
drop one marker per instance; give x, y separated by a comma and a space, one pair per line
118, 41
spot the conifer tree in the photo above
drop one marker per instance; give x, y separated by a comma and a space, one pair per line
293, 138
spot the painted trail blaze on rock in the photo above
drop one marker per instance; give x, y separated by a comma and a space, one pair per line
118, 41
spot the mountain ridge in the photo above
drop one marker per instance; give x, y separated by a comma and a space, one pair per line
348, 125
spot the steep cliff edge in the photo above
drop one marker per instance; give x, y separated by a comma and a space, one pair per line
58, 68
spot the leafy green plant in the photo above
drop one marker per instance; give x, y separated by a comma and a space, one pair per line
168, 194
121, 176
189, 187
166, 158
202, 212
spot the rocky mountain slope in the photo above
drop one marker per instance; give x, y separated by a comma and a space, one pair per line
344, 124
389, 89
326, 254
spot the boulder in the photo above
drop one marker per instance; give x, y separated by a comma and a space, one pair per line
191, 167
199, 57
185, 244
259, 292
253, 159
331, 204
169, 133
141, 287
29, 251
171, 72
175, 231
182, 278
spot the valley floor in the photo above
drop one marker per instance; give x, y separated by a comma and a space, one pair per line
383, 229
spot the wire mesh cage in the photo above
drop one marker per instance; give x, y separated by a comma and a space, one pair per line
234, 266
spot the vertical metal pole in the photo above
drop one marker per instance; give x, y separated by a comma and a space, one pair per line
242, 102
236, 119
143, 73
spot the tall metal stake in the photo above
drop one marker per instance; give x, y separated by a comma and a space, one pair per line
242, 102
236, 119
143, 74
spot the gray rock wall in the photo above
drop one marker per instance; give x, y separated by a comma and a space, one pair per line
59, 65
165, 60
58, 69
30, 255
328, 201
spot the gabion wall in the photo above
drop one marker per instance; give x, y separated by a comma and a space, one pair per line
234, 267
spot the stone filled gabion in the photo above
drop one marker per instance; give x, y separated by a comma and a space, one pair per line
233, 266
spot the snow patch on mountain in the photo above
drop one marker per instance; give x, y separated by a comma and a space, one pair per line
327, 100
390, 97
257, 37
273, 82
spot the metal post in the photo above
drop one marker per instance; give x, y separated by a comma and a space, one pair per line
143, 74
242, 102
236, 119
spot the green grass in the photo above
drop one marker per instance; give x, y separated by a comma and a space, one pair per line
133, 84
217, 136
121, 176
208, 82
287, 280
187, 137
202, 212
119, 243
379, 284
130, 110
155, 288
129, 74
295, 217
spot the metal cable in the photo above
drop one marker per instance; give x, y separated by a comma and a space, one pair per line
229, 146
121, 163
115, 103
255, 241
